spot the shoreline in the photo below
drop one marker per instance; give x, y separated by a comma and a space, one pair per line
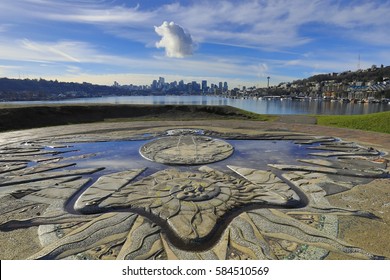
33, 116
18, 117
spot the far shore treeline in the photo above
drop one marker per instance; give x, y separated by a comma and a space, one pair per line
40, 89
330, 85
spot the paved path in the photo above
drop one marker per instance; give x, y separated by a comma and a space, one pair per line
302, 119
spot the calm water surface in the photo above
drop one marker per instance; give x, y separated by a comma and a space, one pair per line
118, 156
276, 107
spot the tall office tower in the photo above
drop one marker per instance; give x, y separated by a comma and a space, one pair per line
154, 84
195, 87
181, 85
161, 82
204, 86
225, 86
220, 85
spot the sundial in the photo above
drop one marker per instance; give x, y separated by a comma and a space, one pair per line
186, 149
188, 208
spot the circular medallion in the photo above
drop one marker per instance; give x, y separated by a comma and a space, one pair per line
187, 150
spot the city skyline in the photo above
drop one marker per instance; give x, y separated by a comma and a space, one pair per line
202, 86
166, 86
242, 43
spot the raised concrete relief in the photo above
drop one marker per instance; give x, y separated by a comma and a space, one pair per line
191, 204
186, 149
193, 210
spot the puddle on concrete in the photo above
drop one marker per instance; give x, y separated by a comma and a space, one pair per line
116, 156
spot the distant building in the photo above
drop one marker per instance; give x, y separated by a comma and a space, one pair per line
161, 82
154, 85
195, 87
181, 85
225, 86
204, 86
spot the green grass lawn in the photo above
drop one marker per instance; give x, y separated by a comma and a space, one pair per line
379, 122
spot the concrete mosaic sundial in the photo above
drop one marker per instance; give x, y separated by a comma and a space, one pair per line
187, 197
186, 149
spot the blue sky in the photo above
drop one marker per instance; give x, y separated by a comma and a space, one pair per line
241, 42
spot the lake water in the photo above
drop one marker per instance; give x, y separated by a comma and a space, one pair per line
276, 106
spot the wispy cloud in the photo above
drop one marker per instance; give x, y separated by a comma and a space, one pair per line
252, 23
80, 60
103, 15
60, 50
28, 50
281, 39
5, 27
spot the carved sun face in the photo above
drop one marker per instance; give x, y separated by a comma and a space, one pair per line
193, 189
192, 204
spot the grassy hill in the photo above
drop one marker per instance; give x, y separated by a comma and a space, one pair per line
24, 117
379, 122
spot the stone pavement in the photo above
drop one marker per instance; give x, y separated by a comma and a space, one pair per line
374, 138
189, 210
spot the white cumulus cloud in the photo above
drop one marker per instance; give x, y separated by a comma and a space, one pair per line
175, 40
